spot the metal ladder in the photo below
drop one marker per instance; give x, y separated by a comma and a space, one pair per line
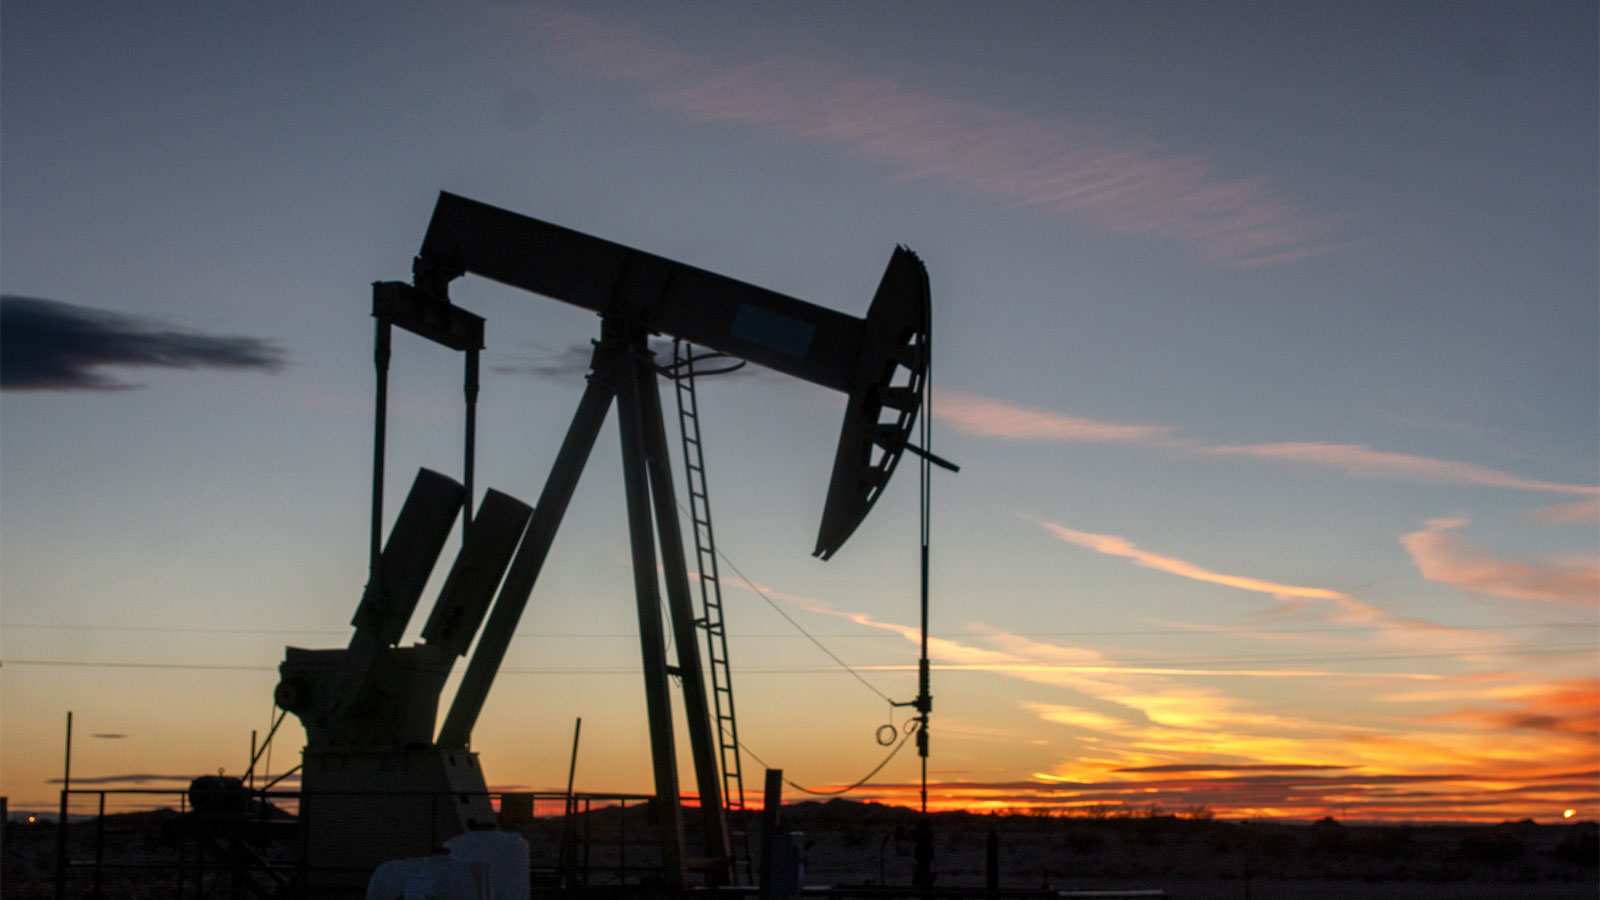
710, 584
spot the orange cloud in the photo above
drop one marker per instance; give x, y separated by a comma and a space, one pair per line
1570, 707
1117, 546
1445, 558
1471, 745
1122, 185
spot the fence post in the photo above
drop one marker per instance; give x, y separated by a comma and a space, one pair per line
771, 806
99, 843
61, 822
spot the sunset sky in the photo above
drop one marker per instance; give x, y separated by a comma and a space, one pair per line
1265, 335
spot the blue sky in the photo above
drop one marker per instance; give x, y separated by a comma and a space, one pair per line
1266, 337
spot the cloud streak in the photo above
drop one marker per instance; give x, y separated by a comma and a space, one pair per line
984, 417
573, 362
1361, 460
1121, 184
1582, 511
1277, 791
47, 345
990, 418
1112, 545
1130, 735
1443, 557
1569, 707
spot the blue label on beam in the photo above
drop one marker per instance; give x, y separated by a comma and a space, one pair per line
773, 330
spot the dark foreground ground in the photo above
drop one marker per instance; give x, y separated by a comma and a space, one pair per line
1193, 859
848, 843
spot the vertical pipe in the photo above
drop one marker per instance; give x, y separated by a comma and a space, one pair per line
923, 874
99, 844
380, 359
471, 390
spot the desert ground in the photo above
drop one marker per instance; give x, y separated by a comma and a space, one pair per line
847, 844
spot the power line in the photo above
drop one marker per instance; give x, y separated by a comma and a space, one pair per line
1193, 662
790, 619
1230, 631
912, 727
89, 664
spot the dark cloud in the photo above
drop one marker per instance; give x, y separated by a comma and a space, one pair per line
152, 779
1244, 767
136, 778
571, 363
47, 345
568, 364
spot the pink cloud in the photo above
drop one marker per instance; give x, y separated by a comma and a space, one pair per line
1361, 460
1117, 546
985, 417
988, 417
1443, 557
1123, 185
1568, 513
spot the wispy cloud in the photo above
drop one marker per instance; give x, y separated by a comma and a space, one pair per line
1347, 792
1564, 707
1241, 767
1568, 513
1444, 557
1121, 183
985, 417
568, 364
47, 345
572, 362
1361, 460
1128, 735
133, 778
988, 417
1117, 546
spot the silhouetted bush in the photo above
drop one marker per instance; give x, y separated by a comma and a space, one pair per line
1329, 837
1494, 846
1393, 842
1082, 840
1580, 849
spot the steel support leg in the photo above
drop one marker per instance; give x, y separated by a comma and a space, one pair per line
652, 641
558, 489
697, 712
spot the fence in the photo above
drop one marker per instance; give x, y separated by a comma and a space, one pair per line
145, 843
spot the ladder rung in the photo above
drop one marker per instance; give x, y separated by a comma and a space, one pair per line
710, 588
